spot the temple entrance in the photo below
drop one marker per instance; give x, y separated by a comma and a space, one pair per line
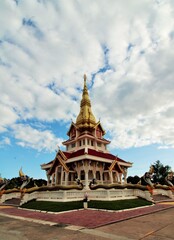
106, 178
82, 176
98, 175
58, 177
90, 175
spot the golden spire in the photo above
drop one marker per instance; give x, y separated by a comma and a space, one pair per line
85, 119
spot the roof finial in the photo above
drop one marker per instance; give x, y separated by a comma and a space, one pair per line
85, 119
84, 77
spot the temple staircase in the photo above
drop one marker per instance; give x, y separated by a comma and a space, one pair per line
161, 198
13, 202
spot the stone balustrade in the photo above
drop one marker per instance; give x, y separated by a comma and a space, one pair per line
8, 196
77, 195
143, 194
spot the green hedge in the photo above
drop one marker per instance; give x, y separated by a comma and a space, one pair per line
65, 206
119, 204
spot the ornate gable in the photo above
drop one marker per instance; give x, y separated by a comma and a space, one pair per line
59, 160
72, 130
99, 130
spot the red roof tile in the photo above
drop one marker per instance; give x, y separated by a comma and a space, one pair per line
93, 153
77, 153
67, 154
104, 155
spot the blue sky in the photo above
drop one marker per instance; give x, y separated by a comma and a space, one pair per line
126, 50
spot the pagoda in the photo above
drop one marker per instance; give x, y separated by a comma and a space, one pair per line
86, 156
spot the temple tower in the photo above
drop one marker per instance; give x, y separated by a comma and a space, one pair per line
86, 156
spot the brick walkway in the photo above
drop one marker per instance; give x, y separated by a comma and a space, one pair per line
85, 218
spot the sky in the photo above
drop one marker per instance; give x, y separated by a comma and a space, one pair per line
126, 50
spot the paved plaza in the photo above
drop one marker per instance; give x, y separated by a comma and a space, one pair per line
155, 222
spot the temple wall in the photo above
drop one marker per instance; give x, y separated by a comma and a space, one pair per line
76, 195
86, 171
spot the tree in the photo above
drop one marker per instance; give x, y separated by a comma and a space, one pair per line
130, 179
160, 172
133, 180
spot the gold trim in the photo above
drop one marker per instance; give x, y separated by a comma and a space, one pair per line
63, 164
63, 155
113, 164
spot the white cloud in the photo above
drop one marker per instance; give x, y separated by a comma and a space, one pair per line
8, 116
43, 59
27, 136
5, 141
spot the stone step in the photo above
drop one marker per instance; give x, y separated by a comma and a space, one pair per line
13, 201
160, 198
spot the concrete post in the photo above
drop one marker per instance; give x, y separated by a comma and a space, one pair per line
61, 178
85, 205
86, 178
111, 177
66, 178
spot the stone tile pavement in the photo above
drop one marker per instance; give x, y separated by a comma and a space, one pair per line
82, 218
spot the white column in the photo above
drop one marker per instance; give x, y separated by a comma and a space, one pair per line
86, 178
66, 178
94, 174
48, 180
56, 176
61, 178
111, 177
120, 176
101, 177
125, 175
53, 179
78, 175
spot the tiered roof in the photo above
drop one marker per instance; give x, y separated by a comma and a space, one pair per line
107, 157
85, 125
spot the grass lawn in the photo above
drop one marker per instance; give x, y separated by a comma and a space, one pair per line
65, 206
119, 204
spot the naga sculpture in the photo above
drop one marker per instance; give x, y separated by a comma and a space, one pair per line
23, 184
93, 186
146, 179
167, 181
144, 184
